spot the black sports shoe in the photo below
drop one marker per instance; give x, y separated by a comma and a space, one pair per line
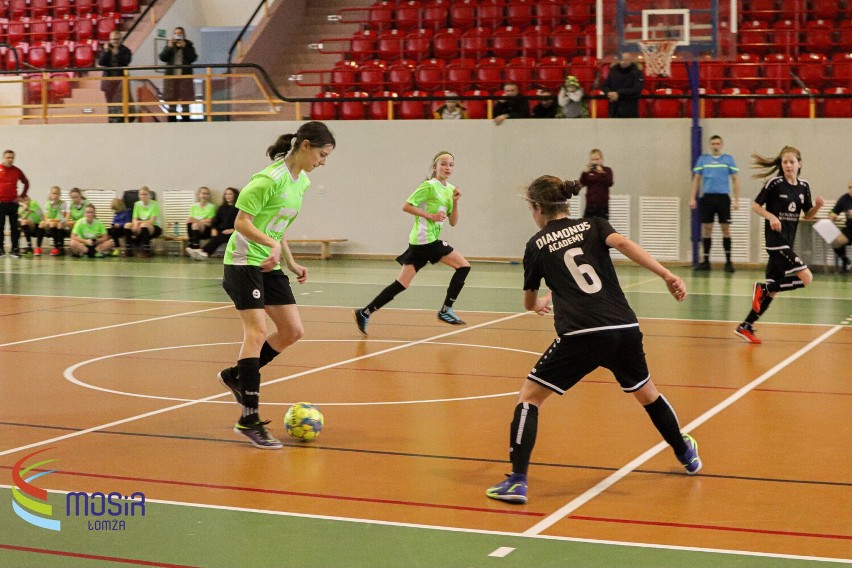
702, 266
729, 267
258, 435
228, 379
362, 321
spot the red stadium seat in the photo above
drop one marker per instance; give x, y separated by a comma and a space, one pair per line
711, 73
105, 7
458, 76
817, 37
371, 77
429, 76
769, 108
844, 35
488, 74
754, 37
598, 107
418, 44
826, 9
412, 110
667, 108
520, 71
128, 6
15, 58
800, 108
474, 43
447, 43
837, 108
709, 104
17, 9
585, 69
363, 45
407, 15
506, 42
325, 110
353, 110
83, 30
343, 77
105, 27
61, 30
379, 109
763, 10
534, 40
381, 16
550, 77
435, 15
400, 77
785, 36
61, 8
59, 87
745, 71
463, 14
84, 7
390, 44
33, 87
579, 12
476, 109
39, 8
811, 69
841, 68
549, 13
564, 40
84, 55
16, 32
37, 57
679, 79
490, 13
777, 67
39, 31
734, 108
519, 13
60, 56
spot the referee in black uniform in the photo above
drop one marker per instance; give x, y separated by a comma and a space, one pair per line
595, 325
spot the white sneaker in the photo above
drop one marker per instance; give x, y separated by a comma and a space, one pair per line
197, 254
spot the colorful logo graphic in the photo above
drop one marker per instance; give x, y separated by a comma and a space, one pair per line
30, 502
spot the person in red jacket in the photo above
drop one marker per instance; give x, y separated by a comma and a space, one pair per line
10, 175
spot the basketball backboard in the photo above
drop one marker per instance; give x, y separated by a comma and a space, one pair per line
702, 29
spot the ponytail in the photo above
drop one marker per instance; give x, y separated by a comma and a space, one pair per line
552, 194
316, 133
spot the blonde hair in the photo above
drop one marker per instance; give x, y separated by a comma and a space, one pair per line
118, 205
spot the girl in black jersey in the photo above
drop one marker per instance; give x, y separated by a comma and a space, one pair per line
595, 324
783, 198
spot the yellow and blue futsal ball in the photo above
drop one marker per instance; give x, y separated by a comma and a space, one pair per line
304, 421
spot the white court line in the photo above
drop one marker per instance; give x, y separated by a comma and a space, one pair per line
113, 326
270, 513
282, 379
617, 476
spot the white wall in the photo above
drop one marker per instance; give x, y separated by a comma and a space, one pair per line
377, 164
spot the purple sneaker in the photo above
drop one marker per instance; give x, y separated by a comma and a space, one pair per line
512, 490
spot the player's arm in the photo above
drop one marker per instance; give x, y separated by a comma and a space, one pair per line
693, 191
300, 271
245, 226
735, 185
761, 211
412, 210
454, 216
535, 303
812, 212
641, 257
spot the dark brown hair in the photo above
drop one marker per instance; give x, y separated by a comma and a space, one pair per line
314, 132
772, 166
552, 194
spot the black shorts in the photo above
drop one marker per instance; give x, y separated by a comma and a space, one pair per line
783, 262
251, 289
713, 204
419, 255
572, 357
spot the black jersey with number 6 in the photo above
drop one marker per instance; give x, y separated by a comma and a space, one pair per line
572, 257
787, 202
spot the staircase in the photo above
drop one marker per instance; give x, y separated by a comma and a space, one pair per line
280, 44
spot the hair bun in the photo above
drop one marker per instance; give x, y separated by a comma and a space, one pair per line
570, 188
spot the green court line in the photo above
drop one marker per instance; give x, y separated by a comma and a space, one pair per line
213, 537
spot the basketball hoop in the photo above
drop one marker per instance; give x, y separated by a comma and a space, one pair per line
658, 56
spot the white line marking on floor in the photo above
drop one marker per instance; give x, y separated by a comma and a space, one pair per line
502, 552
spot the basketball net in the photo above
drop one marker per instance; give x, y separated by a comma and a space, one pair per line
658, 56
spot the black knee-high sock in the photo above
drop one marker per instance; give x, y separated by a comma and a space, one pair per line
707, 242
523, 432
726, 244
144, 238
59, 238
764, 305
39, 234
193, 236
384, 297
28, 235
792, 282
841, 252
267, 354
249, 370
665, 421
456, 285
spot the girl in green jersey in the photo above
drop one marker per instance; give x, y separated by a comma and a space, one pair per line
54, 211
253, 276
146, 224
435, 201
200, 219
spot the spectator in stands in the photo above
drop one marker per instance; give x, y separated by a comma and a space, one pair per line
114, 55
121, 223
597, 179
717, 173
89, 236
570, 99
843, 206
512, 105
146, 223
623, 87
30, 217
54, 215
546, 108
451, 109
179, 52
223, 226
200, 219
10, 175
